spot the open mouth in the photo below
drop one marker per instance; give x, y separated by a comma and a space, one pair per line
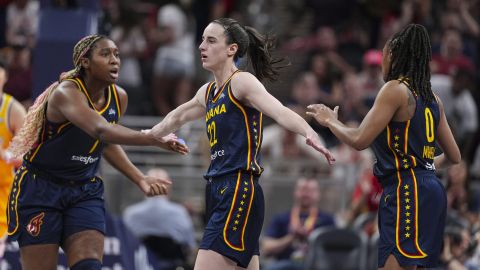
114, 73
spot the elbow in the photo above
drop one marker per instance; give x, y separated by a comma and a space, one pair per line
359, 145
455, 159
100, 132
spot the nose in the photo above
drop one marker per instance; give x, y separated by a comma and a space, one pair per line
201, 47
114, 59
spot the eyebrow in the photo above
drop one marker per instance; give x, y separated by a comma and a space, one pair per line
209, 37
108, 49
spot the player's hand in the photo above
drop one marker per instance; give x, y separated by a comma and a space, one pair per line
153, 186
314, 141
322, 113
170, 142
173, 143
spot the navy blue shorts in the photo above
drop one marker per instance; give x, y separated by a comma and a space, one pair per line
42, 211
235, 212
411, 219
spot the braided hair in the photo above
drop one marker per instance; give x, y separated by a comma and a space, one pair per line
29, 134
411, 53
258, 47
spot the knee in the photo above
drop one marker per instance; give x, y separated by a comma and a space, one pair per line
87, 264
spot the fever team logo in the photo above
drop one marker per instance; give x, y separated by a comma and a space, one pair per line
35, 223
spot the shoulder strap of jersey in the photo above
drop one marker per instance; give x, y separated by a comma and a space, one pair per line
207, 93
117, 99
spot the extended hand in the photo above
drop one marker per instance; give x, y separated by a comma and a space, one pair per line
314, 141
175, 144
322, 113
171, 142
153, 186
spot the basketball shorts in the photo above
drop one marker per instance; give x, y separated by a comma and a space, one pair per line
48, 211
235, 213
411, 218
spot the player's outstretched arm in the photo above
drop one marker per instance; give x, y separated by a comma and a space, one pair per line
386, 104
251, 91
188, 111
67, 103
150, 186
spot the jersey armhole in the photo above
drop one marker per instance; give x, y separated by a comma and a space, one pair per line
117, 100
207, 93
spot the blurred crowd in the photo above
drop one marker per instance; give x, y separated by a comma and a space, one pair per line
335, 51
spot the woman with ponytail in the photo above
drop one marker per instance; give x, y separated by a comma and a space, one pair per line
233, 106
56, 197
404, 128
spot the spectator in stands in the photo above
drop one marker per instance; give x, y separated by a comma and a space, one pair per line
130, 40
22, 23
456, 15
371, 79
174, 62
463, 112
451, 55
456, 248
287, 234
280, 143
20, 78
163, 226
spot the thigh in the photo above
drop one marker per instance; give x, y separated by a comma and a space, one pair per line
34, 210
87, 210
211, 260
392, 264
43, 257
84, 245
253, 265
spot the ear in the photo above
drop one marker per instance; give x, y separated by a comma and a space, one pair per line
85, 63
232, 49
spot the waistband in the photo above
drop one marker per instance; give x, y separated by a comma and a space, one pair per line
393, 178
55, 179
232, 175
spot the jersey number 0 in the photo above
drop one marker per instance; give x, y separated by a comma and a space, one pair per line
429, 131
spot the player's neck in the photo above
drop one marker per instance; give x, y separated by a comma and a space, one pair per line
95, 88
221, 76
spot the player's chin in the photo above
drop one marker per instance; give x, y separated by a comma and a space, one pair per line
207, 66
111, 77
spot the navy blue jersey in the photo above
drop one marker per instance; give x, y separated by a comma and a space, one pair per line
410, 145
234, 132
65, 151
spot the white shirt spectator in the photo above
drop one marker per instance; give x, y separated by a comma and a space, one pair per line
158, 216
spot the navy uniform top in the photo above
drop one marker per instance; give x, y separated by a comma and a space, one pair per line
234, 132
410, 145
64, 151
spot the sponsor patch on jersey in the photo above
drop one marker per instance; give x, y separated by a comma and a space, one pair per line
85, 159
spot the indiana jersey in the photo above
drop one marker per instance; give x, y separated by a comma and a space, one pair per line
234, 132
6, 169
408, 145
65, 151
